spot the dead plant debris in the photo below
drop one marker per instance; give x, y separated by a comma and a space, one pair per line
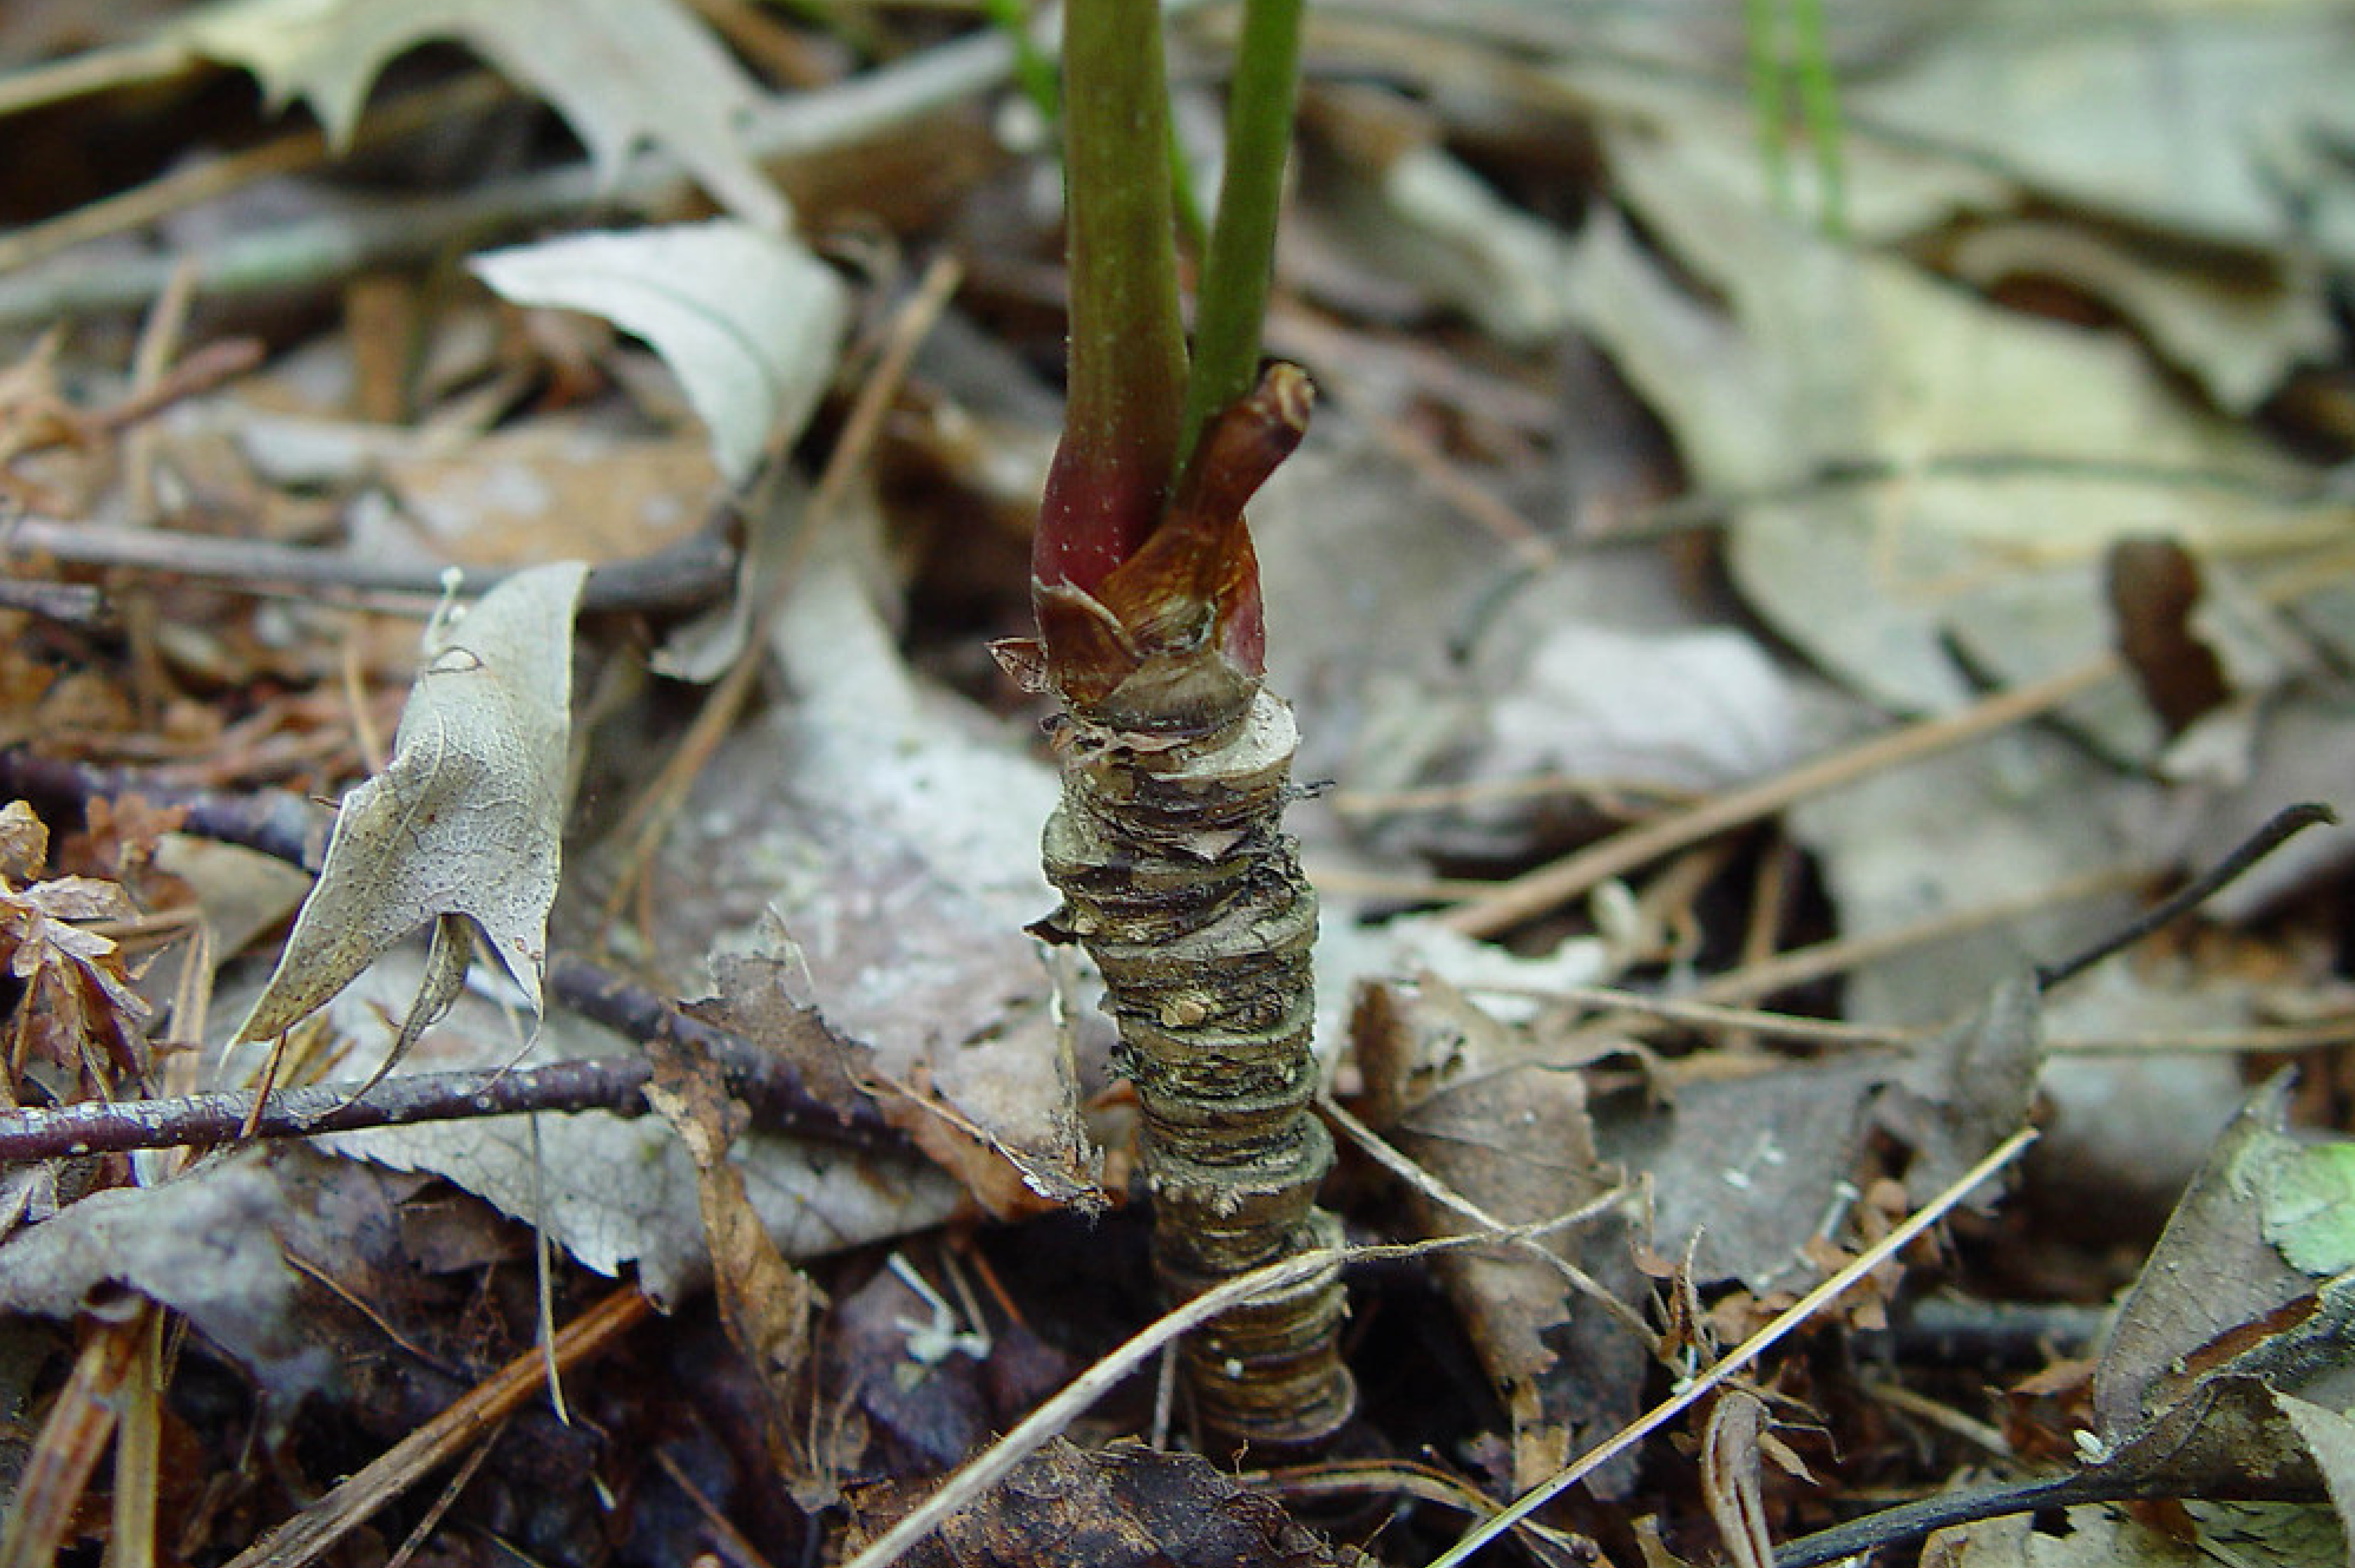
1765, 592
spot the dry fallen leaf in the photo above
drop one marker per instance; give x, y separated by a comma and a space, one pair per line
881, 859
77, 1009
1122, 1507
620, 71
1471, 1102
612, 1191
765, 1304
1994, 455
464, 823
213, 1244
2226, 145
1750, 1166
746, 319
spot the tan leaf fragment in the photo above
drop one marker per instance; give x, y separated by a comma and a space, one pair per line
766, 1305
1729, 1478
463, 825
1491, 1121
24, 841
2330, 1437
612, 1191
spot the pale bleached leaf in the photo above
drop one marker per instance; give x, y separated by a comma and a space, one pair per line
1995, 457
2329, 1436
747, 321
617, 1192
621, 72
464, 821
2213, 120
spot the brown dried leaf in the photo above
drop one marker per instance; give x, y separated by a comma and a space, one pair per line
1751, 1165
1471, 1103
884, 862
612, 1191
23, 843
211, 1243
1730, 1481
77, 1008
747, 321
765, 1303
2213, 1273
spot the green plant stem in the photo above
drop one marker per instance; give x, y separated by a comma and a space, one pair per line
1819, 109
1128, 346
1761, 23
1168, 846
1034, 71
1232, 299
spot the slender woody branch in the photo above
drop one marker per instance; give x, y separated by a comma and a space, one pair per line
689, 576
614, 1084
290, 828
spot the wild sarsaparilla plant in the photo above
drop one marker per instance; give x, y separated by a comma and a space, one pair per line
1168, 847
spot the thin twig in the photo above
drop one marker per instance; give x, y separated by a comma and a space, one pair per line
1821, 960
812, 123
68, 604
290, 828
305, 1538
725, 1537
277, 823
55, 1475
290, 154
1405, 1477
1945, 1418
2257, 1038
1703, 1015
423, 1530
1611, 796
688, 576
1392, 1158
650, 815
612, 1084
2277, 831
216, 363
1749, 1350
1536, 893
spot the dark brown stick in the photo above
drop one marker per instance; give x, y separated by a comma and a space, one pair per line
614, 1084
292, 829
687, 577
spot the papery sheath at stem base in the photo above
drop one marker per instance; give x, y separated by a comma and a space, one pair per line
1162, 630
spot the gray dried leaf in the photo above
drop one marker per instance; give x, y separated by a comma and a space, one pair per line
620, 71
463, 826
213, 1244
615, 1192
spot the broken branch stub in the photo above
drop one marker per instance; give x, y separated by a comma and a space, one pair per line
1178, 877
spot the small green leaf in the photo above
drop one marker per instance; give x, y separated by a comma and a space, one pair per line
2309, 1207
